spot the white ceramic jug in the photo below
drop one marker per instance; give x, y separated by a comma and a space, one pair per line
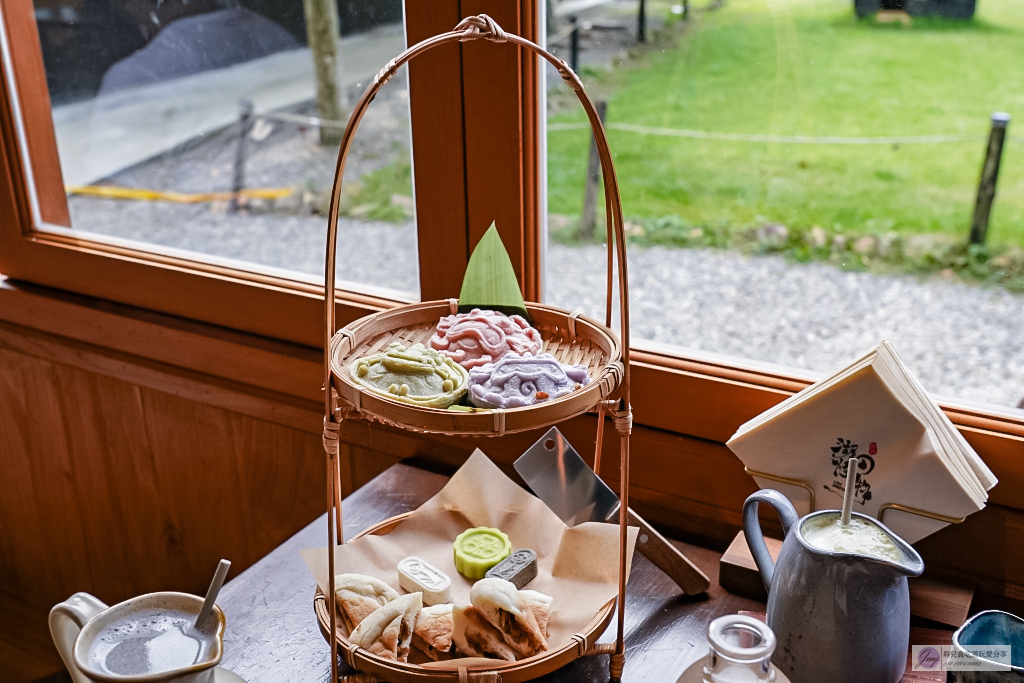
75, 623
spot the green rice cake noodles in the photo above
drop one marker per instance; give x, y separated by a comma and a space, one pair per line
413, 374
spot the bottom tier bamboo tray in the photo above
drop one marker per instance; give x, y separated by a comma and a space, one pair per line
472, 670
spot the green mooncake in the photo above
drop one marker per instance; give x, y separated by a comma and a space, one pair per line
415, 375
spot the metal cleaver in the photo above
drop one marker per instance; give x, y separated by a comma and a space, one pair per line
567, 485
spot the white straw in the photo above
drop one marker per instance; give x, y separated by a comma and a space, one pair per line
211, 594
851, 480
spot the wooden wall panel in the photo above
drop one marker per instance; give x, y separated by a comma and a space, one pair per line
701, 403
494, 142
530, 73
367, 463
486, 93
438, 149
1004, 453
26, 648
119, 489
986, 550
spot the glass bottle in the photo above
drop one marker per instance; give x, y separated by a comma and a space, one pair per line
740, 651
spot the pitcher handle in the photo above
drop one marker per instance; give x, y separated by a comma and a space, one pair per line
752, 529
66, 621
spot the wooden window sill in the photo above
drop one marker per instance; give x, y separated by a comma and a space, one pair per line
710, 398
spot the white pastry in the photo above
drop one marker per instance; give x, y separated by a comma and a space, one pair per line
504, 608
474, 636
388, 631
360, 595
433, 634
540, 605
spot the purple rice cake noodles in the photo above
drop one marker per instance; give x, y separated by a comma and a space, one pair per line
516, 381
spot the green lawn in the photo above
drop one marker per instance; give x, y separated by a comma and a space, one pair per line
809, 67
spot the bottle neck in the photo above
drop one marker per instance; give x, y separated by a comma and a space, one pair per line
721, 669
740, 651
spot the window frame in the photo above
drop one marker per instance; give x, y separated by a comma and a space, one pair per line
492, 95
37, 245
477, 92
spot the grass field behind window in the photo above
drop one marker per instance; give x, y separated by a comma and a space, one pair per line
809, 67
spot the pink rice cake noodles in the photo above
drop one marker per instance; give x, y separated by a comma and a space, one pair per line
479, 337
516, 381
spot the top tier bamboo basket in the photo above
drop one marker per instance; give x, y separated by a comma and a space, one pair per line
571, 337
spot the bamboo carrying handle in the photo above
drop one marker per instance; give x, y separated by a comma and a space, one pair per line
476, 28
668, 558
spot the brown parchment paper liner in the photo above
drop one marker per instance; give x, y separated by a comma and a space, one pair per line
577, 566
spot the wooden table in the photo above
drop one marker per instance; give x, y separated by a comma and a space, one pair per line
273, 636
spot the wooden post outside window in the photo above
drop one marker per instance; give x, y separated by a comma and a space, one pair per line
474, 116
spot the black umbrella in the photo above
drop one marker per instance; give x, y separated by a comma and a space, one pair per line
199, 43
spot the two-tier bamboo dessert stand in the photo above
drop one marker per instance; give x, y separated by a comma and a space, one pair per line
571, 337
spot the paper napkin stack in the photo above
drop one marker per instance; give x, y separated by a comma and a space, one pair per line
909, 453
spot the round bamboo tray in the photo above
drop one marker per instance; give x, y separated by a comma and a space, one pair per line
474, 669
572, 338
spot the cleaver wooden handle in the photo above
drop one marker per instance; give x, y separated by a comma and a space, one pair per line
668, 558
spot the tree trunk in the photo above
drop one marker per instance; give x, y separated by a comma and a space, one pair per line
322, 32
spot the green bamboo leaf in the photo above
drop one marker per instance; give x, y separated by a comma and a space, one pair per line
490, 281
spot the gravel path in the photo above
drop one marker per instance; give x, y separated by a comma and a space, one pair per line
369, 252
960, 340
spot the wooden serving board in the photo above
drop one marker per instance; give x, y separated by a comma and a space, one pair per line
929, 599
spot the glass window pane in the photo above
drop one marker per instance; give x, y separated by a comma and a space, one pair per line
193, 125
799, 182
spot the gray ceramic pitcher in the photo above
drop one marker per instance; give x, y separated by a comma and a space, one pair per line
838, 617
